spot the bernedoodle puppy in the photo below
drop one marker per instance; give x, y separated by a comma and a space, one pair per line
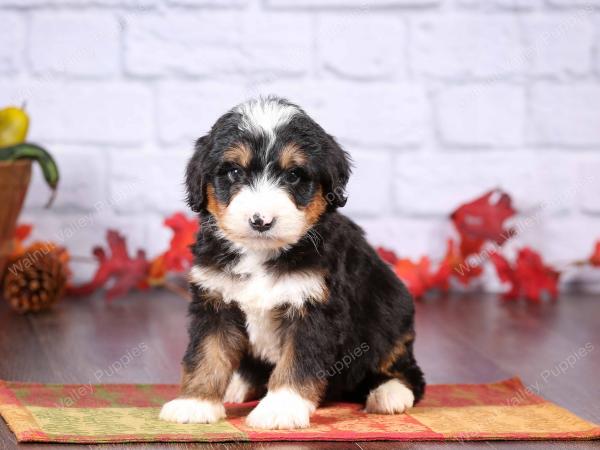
290, 305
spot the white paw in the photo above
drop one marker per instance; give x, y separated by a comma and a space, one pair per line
281, 409
237, 391
391, 397
191, 410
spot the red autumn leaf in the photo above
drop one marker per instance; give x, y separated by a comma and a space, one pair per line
507, 275
23, 231
420, 278
441, 278
528, 277
125, 272
482, 220
595, 258
454, 265
387, 255
537, 278
157, 271
179, 256
416, 276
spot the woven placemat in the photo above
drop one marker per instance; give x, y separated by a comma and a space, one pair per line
90, 413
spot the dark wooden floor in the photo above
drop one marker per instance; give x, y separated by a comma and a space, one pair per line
463, 339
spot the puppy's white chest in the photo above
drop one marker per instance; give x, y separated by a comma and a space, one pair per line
263, 334
258, 292
251, 285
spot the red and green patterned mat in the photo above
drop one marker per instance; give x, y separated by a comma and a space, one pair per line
129, 413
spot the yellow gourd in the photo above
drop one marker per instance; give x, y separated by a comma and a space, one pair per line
14, 124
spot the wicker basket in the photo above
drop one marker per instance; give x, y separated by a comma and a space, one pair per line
14, 181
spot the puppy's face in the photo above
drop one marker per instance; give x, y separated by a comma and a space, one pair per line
266, 173
264, 198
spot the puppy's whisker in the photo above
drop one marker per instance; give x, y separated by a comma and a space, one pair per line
314, 240
318, 235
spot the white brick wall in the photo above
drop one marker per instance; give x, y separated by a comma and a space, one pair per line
456, 46
277, 44
362, 46
82, 112
565, 114
205, 43
75, 44
559, 44
436, 100
375, 114
481, 115
13, 44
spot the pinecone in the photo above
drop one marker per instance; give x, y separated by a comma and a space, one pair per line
35, 281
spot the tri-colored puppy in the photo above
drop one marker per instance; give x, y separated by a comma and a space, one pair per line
289, 300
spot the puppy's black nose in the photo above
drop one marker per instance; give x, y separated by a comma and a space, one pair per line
257, 223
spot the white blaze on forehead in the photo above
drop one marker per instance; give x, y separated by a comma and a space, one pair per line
264, 115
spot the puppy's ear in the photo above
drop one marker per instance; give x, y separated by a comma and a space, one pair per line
339, 167
195, 176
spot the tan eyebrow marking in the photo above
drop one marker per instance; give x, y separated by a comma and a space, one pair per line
239, 154
291, 155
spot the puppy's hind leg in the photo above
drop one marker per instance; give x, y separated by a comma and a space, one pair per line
400, 382
249, 382
390, 397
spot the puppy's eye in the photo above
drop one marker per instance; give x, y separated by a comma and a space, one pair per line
234, 174
293, 176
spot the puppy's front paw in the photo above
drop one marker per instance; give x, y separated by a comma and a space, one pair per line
281, 409
191, 410
391, 397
